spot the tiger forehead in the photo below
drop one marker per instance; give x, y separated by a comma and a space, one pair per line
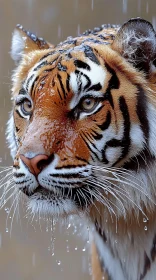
65, 59
66, 70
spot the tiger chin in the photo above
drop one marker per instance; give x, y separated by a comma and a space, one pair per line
82, 135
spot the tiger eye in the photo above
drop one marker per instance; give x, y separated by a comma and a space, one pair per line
26, 107
88, 104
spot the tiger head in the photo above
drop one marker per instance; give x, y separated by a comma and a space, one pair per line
83, 117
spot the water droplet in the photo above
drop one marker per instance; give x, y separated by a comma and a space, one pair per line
6, 230
145, 228
83, 250
7, 210
59, 262
69, 225
75, 248
48, 248
144, 220
92, 5
67, 249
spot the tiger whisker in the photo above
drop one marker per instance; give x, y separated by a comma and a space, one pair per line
6, 190
6, 200
140, 189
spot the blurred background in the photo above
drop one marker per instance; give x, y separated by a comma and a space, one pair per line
28, 249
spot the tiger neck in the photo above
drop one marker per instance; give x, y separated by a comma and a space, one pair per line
127, 245
127, 251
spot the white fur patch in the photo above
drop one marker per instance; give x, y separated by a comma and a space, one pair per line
18, 45
48, 207
10, 136
96, 75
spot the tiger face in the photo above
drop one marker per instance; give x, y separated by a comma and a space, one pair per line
79, 108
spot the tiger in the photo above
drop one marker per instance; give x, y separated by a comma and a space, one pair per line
82, 135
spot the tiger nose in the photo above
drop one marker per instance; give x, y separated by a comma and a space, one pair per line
36, 164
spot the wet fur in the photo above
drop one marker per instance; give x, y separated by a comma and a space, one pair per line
124, 194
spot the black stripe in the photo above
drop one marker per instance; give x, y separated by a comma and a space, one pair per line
28, 81
34, 82
80, 64
125, 142
126, 138
77, 72
22, 91
90, 54
147, 265
114, 83
17, 129
97, 135
49, 69
153, 250
96, 87
68, 176
40, 65
106, 123
70, 166
83, 137
82, 159
48, 54
142, 112
67, 82
19, 175
61, 84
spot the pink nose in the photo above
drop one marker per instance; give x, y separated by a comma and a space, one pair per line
35, 164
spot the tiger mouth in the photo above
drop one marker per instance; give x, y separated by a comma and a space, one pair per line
61, 193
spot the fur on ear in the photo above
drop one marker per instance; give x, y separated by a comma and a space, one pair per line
24, 42
136, 41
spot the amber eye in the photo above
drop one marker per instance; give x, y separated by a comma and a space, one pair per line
88, 104
26, 107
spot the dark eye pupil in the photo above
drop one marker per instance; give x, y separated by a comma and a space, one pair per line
28, 104
88, 102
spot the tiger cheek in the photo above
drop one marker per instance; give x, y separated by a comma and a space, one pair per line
79, 148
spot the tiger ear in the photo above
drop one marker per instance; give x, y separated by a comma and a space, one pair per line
136, 41
24, 42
